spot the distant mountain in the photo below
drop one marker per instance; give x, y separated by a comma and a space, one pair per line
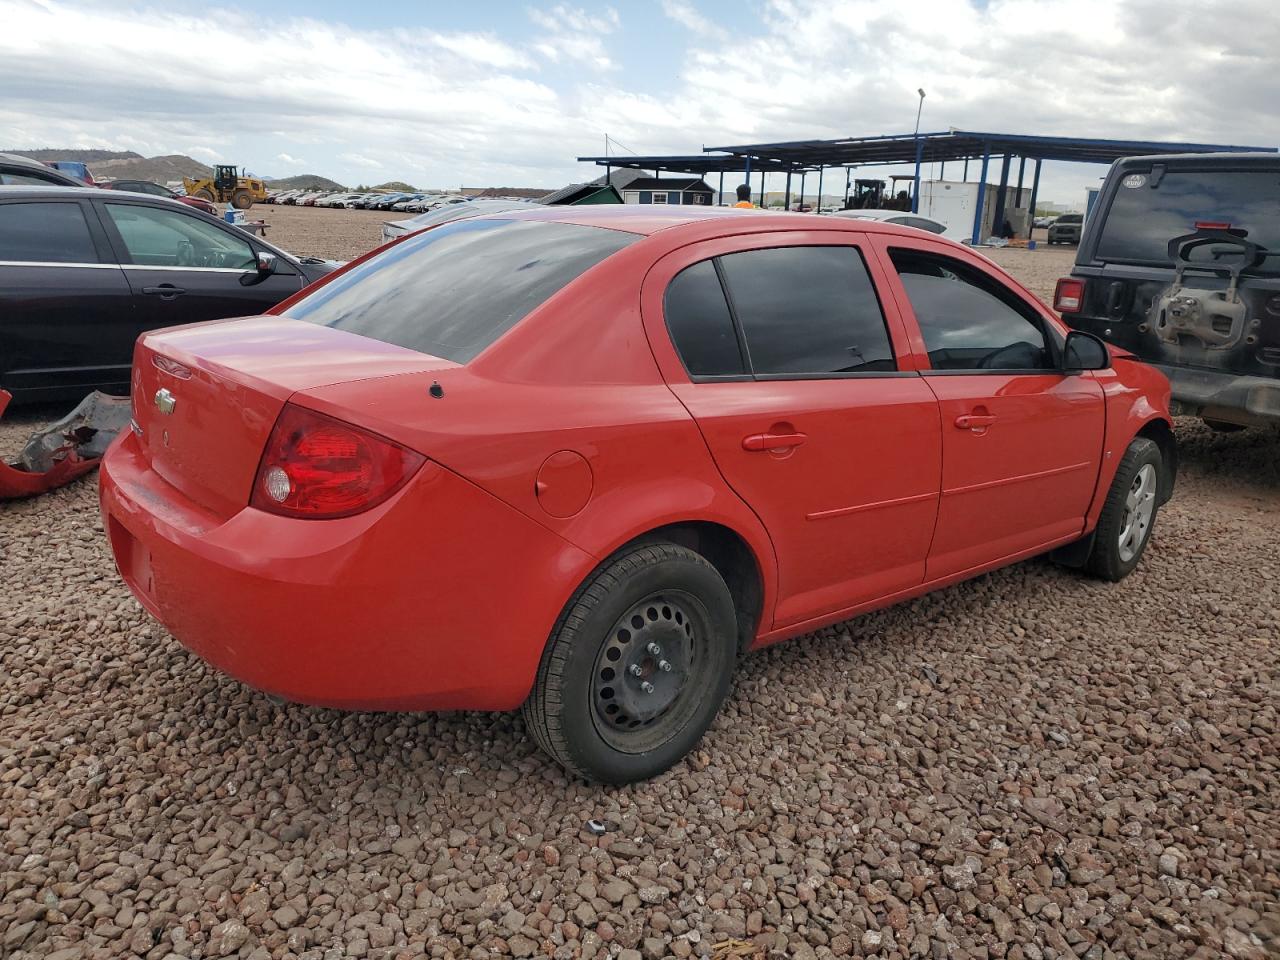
399, 185
304, 180
84, 156
126, 165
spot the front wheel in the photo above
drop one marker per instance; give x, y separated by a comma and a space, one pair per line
1129, 514
637, 665
242, 199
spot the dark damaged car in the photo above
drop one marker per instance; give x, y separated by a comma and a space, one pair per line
1180, 265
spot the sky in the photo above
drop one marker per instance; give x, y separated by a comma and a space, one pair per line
510, 94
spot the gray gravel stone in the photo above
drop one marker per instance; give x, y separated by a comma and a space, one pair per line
1092, 774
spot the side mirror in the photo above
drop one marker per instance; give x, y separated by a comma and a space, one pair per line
264, 266
1084, 351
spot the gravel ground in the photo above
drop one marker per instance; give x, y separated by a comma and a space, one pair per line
1031, 765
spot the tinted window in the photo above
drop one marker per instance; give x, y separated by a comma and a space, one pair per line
1142, 220
31, 178
920, 223
167, 238
48, 232
807, 310
700, 324
454, 290
967, 321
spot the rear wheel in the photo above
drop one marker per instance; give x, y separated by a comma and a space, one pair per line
242, 199
1129, 514
637, 666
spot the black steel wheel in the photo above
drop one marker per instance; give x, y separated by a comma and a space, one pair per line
637, 665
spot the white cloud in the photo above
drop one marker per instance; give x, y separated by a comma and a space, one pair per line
440, 108
359, 160
572, 34
689, 17
484, 49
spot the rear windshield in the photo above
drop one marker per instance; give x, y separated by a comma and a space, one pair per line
1142, 219
454, 290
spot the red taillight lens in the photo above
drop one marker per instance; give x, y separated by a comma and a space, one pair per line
1068, 297
317, 467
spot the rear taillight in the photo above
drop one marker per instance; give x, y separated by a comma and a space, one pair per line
1068, 297
317, 467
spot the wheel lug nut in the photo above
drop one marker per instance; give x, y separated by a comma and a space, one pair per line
664, 666
647, 687
654, 649
635, 670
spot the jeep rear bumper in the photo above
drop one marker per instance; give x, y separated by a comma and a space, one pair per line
1228, 397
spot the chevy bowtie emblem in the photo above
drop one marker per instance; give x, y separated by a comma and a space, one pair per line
165, 401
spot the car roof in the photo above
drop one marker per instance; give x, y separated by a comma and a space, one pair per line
647, 220
26, 163
1251, 156
879, 213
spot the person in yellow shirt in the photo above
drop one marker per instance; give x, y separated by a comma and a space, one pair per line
744, 197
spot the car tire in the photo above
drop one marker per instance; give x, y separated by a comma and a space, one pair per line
1129, 514
649, 604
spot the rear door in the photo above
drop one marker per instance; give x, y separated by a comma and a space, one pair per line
66, 310
183, 268
785, 358
1021, 440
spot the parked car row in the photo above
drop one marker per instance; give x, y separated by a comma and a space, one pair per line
84, 271
409, 202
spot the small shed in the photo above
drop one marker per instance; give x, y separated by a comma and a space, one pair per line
670, 190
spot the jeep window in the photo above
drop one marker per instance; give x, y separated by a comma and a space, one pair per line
1142, 220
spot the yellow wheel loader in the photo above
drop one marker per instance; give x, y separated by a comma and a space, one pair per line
227, 186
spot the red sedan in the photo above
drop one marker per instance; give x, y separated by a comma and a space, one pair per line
583, 459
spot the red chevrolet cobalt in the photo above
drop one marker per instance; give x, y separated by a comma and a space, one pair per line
583, 459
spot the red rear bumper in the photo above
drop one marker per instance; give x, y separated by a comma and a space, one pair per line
440, 598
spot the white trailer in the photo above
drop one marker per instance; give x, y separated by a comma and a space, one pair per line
954, 203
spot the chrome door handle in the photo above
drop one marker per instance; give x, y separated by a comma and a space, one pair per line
773, 441
974, 421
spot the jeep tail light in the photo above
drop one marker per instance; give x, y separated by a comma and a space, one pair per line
1068, 296
316, 467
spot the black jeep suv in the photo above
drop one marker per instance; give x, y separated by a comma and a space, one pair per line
1180, 265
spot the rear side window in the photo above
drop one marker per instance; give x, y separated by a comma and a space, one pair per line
807, 310
700, 323
1144, 218
454, 290
45, 232
966, 321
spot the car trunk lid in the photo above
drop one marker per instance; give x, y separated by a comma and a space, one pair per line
206, 396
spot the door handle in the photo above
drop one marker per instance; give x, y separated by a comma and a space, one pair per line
773, 441
166, 291
974, 421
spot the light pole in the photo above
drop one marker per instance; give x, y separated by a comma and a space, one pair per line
915, 193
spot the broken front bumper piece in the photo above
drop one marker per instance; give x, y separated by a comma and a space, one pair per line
64, 450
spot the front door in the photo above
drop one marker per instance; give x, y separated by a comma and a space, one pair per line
66, 311
1021, 441
184, 269
788, 364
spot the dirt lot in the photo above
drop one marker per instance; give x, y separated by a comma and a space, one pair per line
1030, 765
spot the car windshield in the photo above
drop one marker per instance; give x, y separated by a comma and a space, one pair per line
454, 290
1142, 219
